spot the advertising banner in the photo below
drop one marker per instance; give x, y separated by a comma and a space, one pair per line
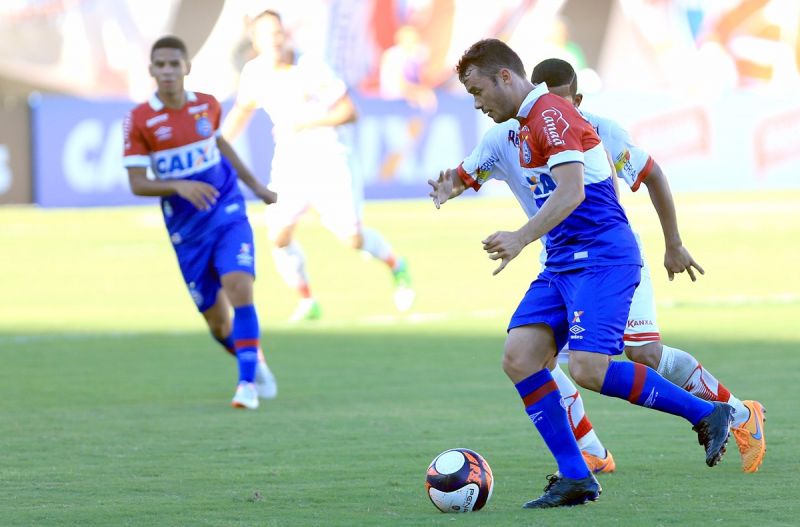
15, 154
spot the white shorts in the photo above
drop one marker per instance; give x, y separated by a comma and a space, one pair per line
327, 185
642, 327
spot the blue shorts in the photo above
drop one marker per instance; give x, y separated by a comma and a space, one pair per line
587, 307
228, 248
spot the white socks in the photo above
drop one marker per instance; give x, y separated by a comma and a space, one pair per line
682, 369
580, 424
291, 265
375, 245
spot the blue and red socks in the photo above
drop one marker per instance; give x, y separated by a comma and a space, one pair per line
245, 336
643, 386
542, 401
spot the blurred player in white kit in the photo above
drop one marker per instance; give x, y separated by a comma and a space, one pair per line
311, 165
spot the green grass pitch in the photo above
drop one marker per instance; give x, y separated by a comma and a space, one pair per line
114, 400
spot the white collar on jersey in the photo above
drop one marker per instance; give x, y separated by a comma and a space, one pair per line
156, 104
537, 91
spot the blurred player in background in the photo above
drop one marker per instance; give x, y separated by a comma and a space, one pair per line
642, 337
593, 266
176, 133
311, 165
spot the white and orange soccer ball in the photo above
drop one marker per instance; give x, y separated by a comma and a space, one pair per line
459, 480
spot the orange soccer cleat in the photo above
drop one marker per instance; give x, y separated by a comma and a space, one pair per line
750, 437
600, 465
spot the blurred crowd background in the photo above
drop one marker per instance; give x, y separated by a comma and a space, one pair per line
707, 87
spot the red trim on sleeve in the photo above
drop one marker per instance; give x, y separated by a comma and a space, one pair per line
467, 179
643, 174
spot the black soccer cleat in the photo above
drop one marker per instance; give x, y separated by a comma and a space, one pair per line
566, 492
713, 431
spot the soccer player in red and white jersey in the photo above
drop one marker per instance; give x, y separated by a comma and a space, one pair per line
593, 266
176, 134
497, 157
642, 337
307, 105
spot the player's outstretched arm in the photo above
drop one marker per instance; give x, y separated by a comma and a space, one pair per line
448, 186
343, 111
676, 257
237, 119
569, 193
202, 195
244, 173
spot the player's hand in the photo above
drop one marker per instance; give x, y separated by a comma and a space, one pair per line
266, 195
442, 188
200, 194
677, 260
504, 246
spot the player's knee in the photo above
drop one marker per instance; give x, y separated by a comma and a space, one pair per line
648, 354
238, 288
586, 371
512, 364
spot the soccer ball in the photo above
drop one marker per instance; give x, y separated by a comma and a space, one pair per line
459, 480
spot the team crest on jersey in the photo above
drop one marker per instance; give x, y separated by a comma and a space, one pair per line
555, 126
203, 125
525, 149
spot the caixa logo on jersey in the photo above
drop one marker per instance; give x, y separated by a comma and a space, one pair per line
184, 161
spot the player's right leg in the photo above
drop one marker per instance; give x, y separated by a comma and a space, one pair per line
339, 200
537, 329
290, 262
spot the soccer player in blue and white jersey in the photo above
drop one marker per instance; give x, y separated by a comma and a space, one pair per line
176, 133
497, 157
642, 337
593, 267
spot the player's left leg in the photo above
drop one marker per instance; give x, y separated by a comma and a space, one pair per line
643, 345
220, 323
235, 263
599, 299
537, 329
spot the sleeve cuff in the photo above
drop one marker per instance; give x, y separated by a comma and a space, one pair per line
643, 174
136, 161
467, 179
